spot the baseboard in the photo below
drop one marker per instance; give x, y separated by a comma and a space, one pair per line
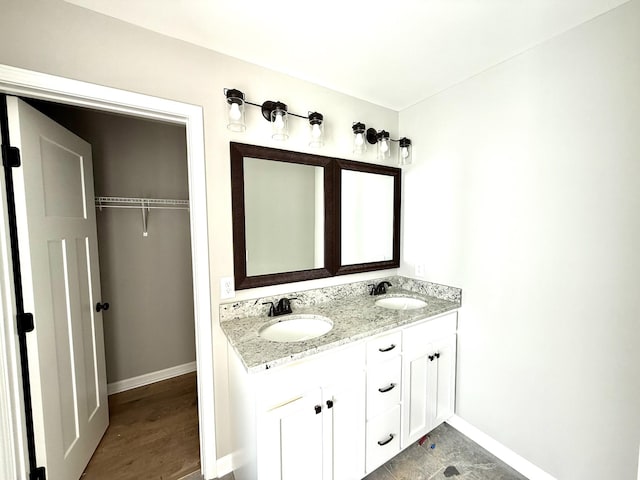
224, 465
508, 456
148, 378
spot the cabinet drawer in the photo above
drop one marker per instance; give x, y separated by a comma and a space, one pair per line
384, 384
384, 347
415, 337
383, 438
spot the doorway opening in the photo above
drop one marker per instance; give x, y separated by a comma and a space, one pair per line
28, 84
145, 269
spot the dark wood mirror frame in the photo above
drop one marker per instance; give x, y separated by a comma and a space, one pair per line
396, 174
332, 195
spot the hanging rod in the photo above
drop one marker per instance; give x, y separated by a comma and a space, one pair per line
148, 203
145, 204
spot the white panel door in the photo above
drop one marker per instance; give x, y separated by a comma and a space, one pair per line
59, 261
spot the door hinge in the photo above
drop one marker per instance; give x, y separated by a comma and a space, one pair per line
10, 156
38, 474
25, 322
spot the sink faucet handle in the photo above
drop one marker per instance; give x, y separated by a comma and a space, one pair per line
372, 288
284, 305
381, 288
272, 308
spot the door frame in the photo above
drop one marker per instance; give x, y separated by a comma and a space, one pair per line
21, 82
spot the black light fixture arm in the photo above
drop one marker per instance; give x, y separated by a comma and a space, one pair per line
268, 106
372, 136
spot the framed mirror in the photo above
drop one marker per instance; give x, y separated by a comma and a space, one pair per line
282, 206
368, 217
299, 216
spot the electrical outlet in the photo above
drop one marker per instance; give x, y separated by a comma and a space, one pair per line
227, 289
419, 269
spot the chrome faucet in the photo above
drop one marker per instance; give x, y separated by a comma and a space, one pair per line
379, 289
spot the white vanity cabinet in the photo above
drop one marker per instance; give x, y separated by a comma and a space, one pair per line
304, 420
341, 414
429, 367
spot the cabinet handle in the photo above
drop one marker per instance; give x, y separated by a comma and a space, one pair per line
388, 349
438, 355
431, 357
329, 403
387, 389
384, 442
318, 409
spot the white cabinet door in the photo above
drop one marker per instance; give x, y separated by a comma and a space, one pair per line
419, 381
343, 416
445, 351
429, 388
290, 442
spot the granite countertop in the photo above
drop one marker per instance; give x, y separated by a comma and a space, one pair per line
354, 318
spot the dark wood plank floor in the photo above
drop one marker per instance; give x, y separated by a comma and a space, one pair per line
152, 434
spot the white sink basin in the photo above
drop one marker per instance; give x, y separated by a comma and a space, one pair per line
401, 303
296, 328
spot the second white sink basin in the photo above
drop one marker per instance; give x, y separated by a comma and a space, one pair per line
296, 328
401, 303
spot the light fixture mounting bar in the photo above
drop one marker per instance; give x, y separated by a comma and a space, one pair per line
268, 106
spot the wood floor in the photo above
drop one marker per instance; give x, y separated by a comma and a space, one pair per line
152, 434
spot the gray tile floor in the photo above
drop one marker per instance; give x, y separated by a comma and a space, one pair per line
447, 454
453, 456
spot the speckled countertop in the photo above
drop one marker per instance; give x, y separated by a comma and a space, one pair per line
354, 317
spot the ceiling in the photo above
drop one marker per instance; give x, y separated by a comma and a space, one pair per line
393, 54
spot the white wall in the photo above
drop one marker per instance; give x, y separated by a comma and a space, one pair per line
525, 192
62, 39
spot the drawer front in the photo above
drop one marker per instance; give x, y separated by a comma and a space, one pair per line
383, 438
384, 347
384, 386
415, 337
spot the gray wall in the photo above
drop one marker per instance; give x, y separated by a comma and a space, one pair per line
146, 280
529, 176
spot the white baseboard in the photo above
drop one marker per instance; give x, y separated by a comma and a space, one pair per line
508, 456
225, 465
148, 378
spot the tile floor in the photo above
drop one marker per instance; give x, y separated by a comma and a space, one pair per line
447, 454
453, 456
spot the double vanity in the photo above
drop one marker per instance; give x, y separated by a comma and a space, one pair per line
342, 384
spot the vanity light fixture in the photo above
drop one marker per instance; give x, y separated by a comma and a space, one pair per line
384, 146
277, 113
235, 102
382, 141
404, 152
359, 140
316, 129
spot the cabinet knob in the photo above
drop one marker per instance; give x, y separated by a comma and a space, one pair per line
318, 409
102, 306
387, 389
388, 349
382, 443
438, 355
431, 357
329, 403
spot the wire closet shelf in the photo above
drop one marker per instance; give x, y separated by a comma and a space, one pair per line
144, 204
